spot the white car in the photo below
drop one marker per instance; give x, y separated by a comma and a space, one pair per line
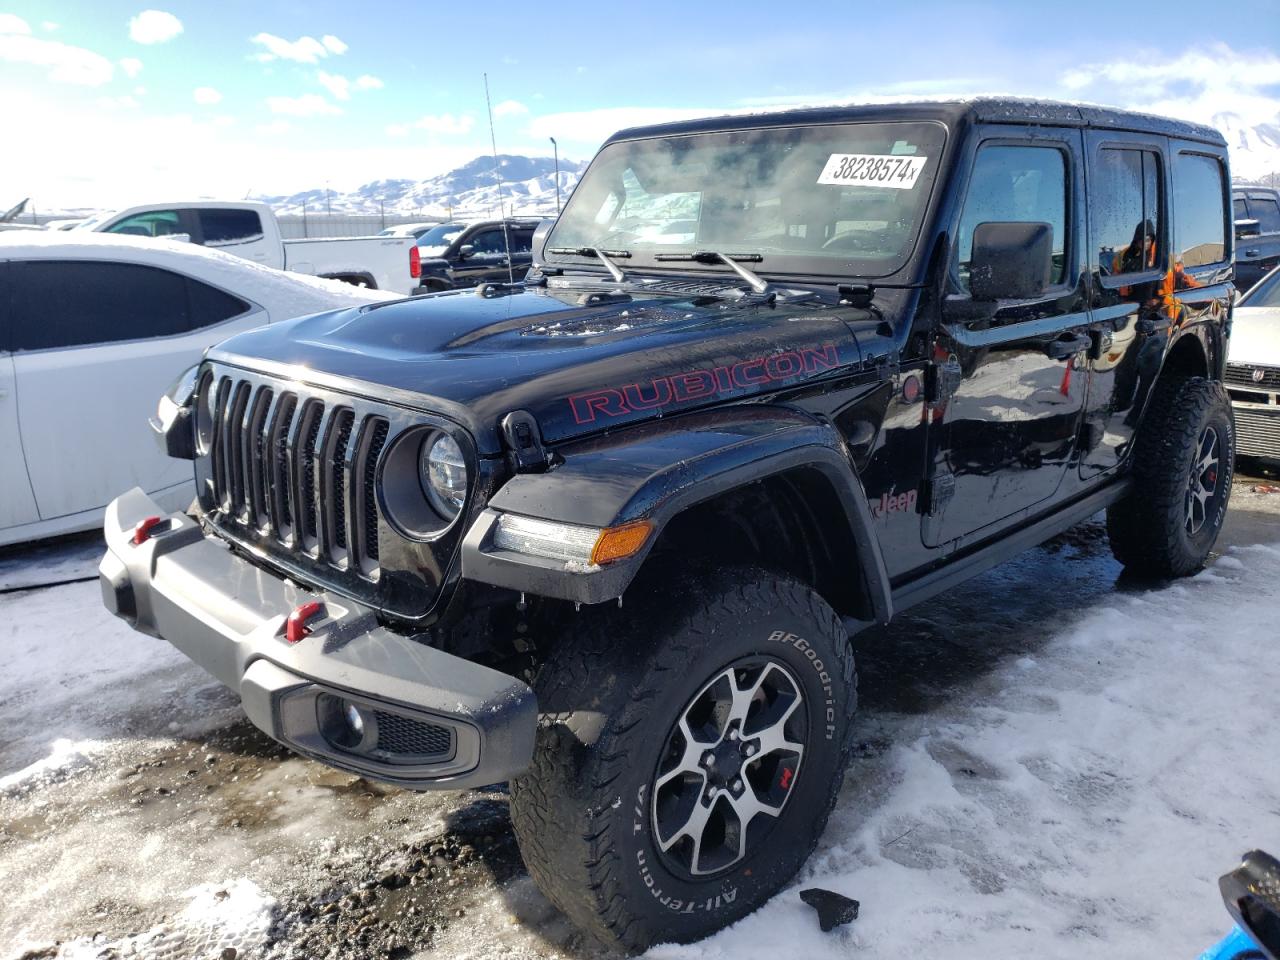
1253, 369
414, 230
95, 327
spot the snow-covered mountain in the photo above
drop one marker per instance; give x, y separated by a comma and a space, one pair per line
1255, 148
527, 186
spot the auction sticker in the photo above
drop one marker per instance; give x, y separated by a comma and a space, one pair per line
871, 170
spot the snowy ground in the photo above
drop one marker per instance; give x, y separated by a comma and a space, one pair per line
1052, 761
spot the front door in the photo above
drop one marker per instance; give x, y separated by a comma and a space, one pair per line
17, 503
1011, 382
488, 261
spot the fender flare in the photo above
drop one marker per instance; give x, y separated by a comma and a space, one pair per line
654, 471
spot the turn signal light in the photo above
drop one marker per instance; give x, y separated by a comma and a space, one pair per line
618, 543
295, 628
142, 531
415, 263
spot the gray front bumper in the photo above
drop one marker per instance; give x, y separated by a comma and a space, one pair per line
228, 615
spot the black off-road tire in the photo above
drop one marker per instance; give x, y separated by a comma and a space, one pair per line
1149, 529
610, 696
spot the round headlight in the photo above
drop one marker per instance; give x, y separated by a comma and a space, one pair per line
206, 414
443, 472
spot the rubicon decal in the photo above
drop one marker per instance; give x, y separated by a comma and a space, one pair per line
699, 384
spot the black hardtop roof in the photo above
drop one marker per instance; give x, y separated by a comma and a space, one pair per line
951, 112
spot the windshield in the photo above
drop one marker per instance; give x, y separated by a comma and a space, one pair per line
94, 221
440, 237
1264, 293
843, 199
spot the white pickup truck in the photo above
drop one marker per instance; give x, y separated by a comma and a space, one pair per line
249, 230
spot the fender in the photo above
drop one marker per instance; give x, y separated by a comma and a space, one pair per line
653, 472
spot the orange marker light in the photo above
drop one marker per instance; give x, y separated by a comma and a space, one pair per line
617, 543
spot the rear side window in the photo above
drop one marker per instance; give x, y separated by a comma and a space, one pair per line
1267, 213
1020, 184
521, 241
489, 243
80, 303
224, 227
1199, 210
1124, 194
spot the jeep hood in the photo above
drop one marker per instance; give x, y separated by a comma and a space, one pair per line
580, 362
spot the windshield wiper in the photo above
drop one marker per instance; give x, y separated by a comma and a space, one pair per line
732, 260
601, 255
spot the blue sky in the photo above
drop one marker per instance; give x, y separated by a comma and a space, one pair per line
106, 104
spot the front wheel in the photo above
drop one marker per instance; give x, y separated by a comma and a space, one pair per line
688, 757
1184, 461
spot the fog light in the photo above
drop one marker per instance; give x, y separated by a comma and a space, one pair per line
355, 720
346, 725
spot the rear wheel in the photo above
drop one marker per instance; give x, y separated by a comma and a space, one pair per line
688, 756
1182, 471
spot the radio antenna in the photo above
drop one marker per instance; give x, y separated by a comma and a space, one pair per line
497, 173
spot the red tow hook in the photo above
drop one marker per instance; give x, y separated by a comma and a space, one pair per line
295, 628
142, 531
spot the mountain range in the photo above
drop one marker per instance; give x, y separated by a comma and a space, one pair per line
517, 185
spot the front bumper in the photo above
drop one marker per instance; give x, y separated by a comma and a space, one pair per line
432, 720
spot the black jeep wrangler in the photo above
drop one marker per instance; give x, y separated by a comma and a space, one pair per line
611, 533
490, 251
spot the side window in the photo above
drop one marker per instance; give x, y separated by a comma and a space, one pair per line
1238, 209
1125, 208
521, 241
78, 303
1015, 183
1199, 210
488, 243
209, 305
224, 227
1267, 212
154, 223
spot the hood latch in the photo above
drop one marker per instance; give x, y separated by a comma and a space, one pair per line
523, 439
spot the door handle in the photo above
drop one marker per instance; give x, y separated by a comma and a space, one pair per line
1147, 326
1067, 345
1251, 253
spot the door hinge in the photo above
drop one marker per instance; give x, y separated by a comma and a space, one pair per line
942, 380
941, 488
523, 439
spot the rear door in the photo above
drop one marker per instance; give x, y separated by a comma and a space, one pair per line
1129, 245
96, 344
488, 261
1005, 436
17, 502
237, 231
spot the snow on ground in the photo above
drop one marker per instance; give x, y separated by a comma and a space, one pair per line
1078, 802
1051, 761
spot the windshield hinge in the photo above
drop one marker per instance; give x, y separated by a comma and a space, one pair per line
942, 380
523, 439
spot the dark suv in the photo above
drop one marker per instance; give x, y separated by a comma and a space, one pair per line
612, 533
1257, 223
491, 251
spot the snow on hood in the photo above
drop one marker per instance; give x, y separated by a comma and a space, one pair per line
1255, 336
285, 294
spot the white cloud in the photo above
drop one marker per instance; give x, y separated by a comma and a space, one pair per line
367, 82
446, 123
12, 23
206, 96
508, 108
275, 128
139, 91
65, 63
302, 50
339, 87
131, 66
333, 44
49, 25
593, 126
154, 26
307, 105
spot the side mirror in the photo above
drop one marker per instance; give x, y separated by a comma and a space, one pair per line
466, 250
1010, 261
1251, 893
1246, 228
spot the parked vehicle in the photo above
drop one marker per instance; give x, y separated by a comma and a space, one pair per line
1253, 370
69, 223
250, 230
414, 230
609, 532
1251, 893
1257, 225
490, 251
93, 327
436, 240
